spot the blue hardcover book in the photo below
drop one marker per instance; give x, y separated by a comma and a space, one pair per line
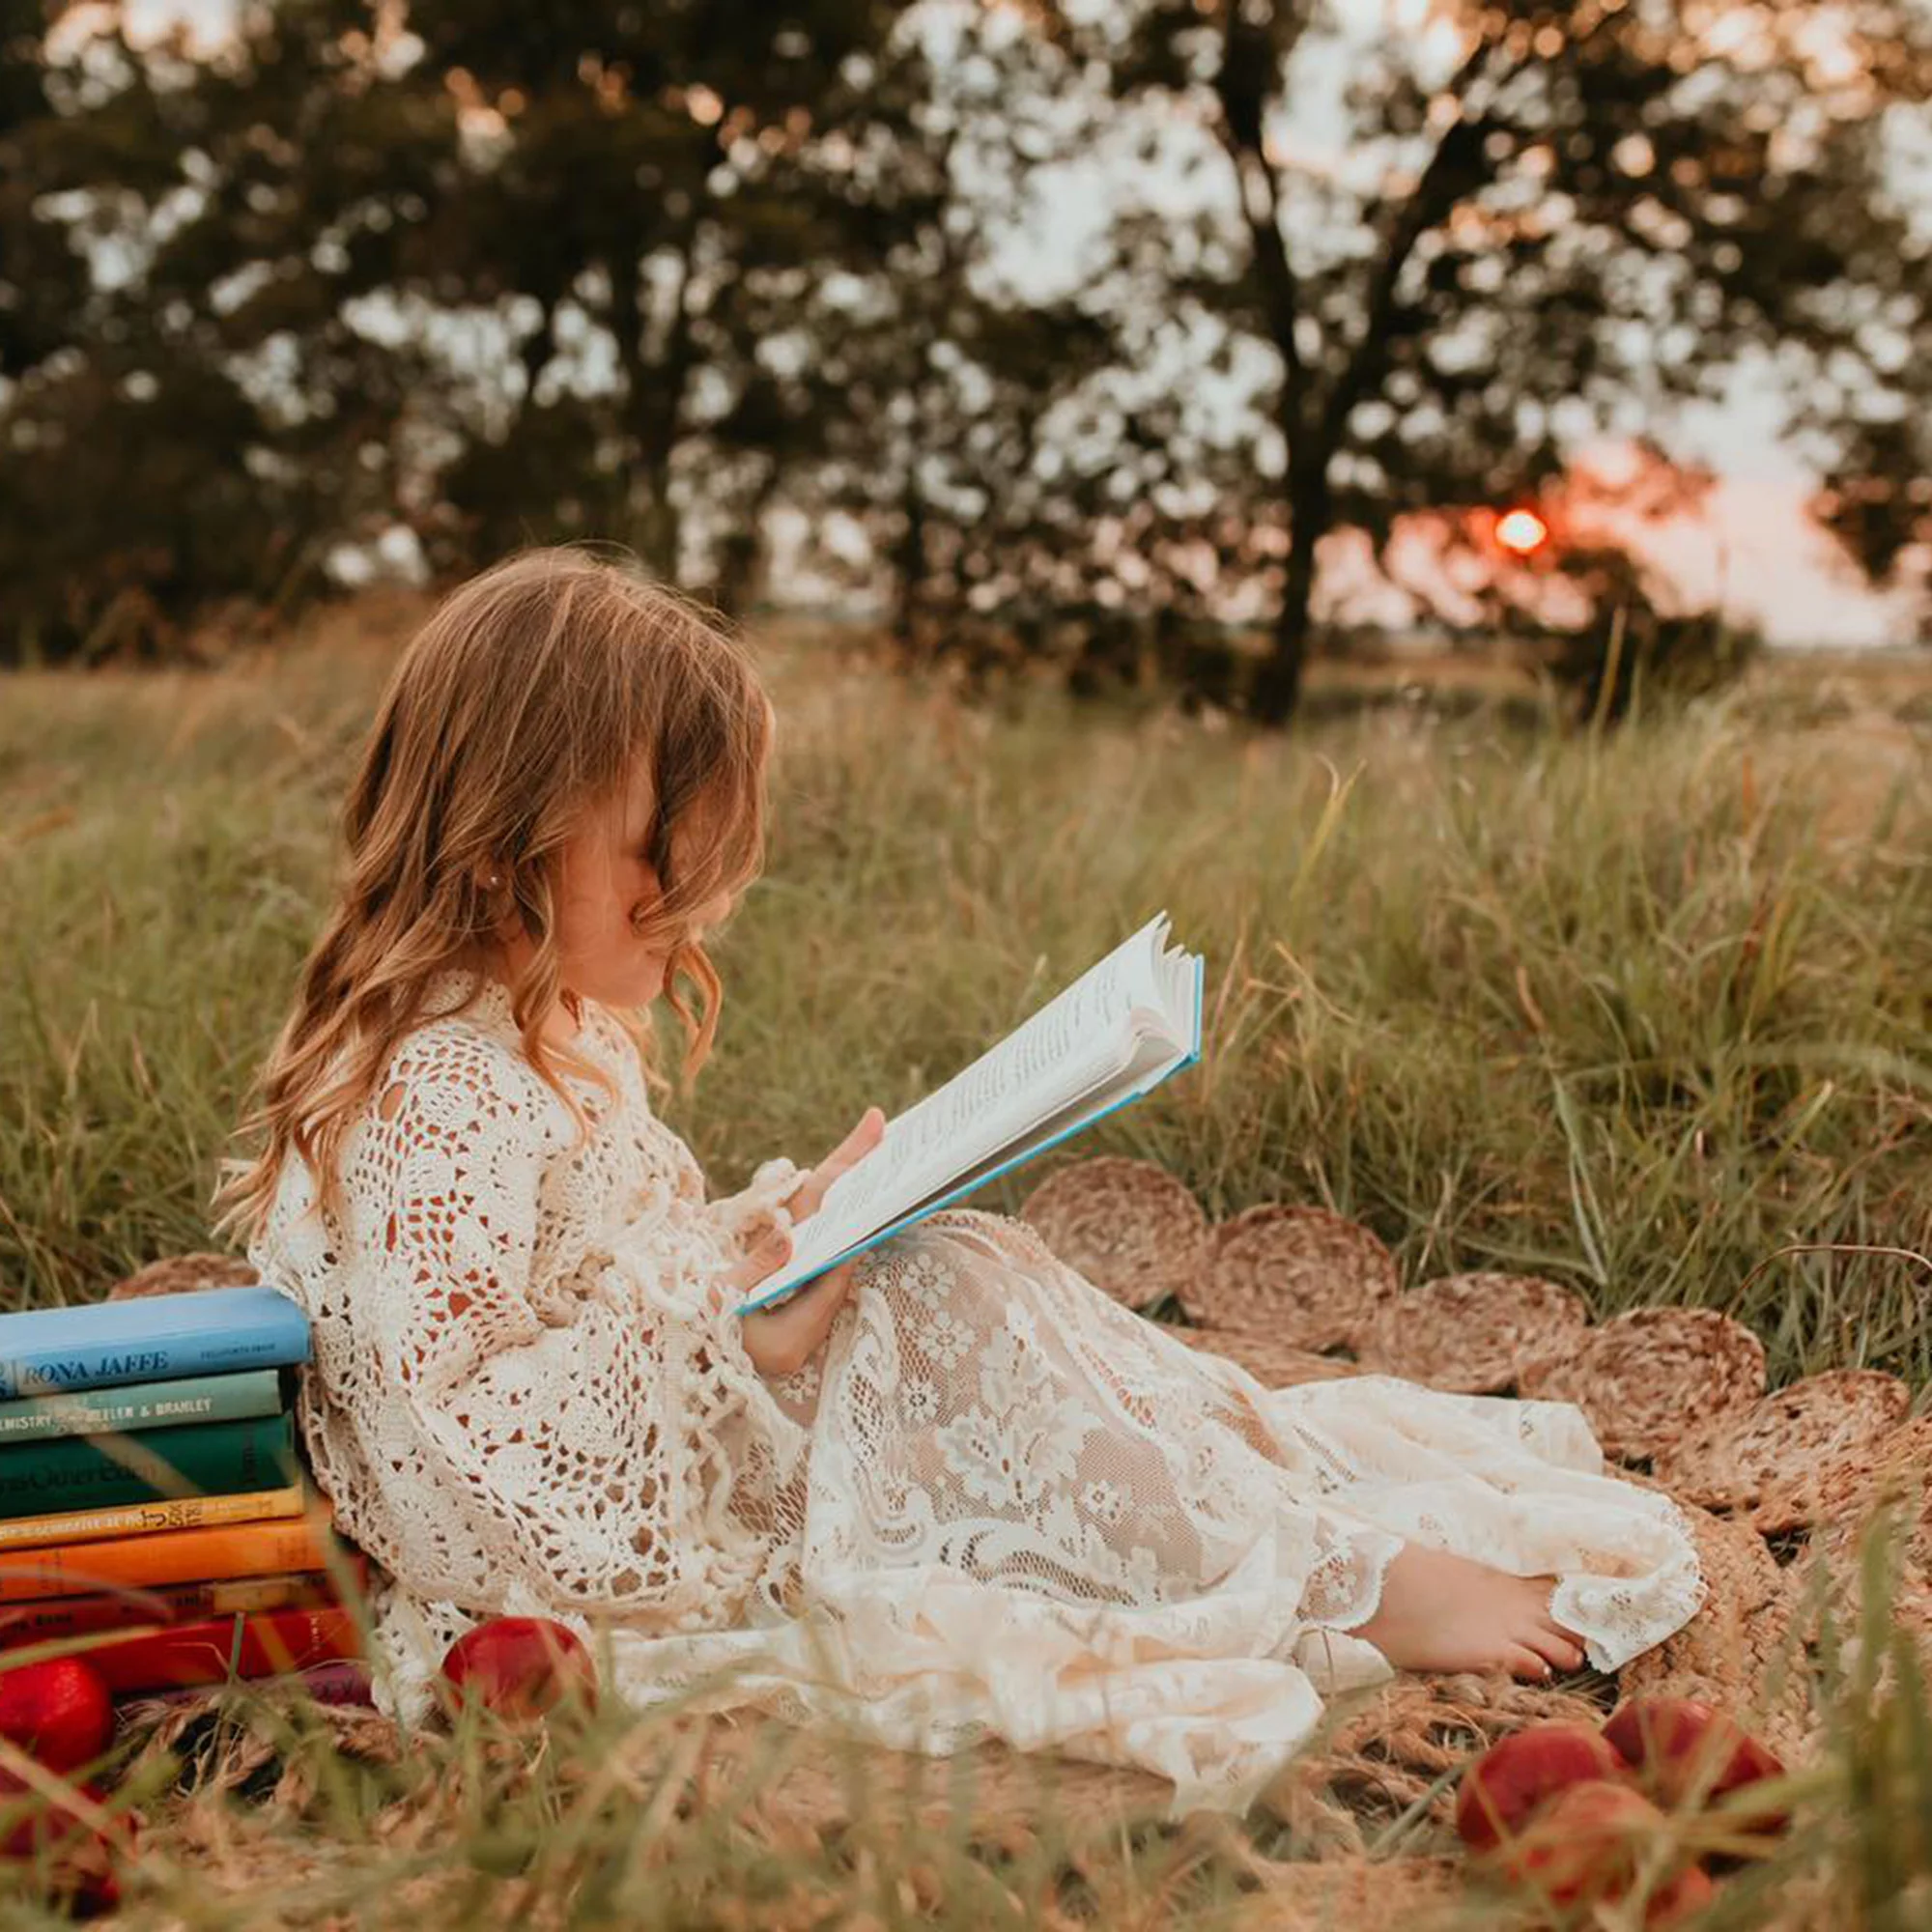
1116, 1033
100, 1344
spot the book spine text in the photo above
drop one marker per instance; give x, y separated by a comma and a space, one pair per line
148, 1466
53, 1618
167, 1405
264, 1546
267, 1645
147, 1519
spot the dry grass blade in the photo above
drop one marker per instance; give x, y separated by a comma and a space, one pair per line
1400, 1750
1409, 1894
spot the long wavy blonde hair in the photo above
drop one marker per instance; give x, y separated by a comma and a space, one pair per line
532, 694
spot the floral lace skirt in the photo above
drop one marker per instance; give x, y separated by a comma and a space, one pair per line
1035, 1516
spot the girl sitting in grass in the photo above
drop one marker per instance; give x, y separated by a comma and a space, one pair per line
949, 1490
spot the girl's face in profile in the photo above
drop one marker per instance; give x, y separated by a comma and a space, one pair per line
605, 885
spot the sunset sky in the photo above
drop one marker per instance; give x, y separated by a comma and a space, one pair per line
1752, 547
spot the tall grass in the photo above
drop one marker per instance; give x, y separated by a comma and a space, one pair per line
1635, 1012
1644, 1012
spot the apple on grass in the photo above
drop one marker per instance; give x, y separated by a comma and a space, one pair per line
1686, 1752
519, 1667
58, 1710
59, 1838
1592, 1844
1503, 1789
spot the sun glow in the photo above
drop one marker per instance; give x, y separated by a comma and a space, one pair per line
1522, 533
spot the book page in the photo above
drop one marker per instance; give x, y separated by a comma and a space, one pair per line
1064, 1049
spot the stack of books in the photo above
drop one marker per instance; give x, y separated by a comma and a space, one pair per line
152, 1498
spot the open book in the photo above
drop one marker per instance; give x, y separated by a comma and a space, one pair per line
1116, 1033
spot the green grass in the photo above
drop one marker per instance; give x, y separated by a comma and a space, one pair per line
1637, 1013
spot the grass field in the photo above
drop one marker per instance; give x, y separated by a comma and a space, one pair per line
1640, 1012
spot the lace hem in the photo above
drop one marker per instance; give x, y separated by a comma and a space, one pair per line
1345, 1590
1619, 1619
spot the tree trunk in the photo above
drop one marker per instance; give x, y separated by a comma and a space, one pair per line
656, 529
1276, 692
909, 572
534, 352
652, 414
742, 547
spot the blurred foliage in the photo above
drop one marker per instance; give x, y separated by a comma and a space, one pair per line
469, 275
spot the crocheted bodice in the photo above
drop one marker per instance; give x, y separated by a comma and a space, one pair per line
512, 1408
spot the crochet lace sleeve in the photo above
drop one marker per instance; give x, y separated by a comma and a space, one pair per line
529, 1428
744, 1217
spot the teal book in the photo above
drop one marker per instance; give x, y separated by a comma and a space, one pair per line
133, 1405
103, 1343
1120, 1030
199, 1458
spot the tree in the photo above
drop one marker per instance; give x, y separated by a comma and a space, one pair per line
1877, 499
674, 181
502, 277
196, 421
1576, 211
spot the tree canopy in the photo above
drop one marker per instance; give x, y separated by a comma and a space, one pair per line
488, 275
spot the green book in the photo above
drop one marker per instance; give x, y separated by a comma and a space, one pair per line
199, 1458
168, 1405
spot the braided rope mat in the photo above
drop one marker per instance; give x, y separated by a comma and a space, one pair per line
1676, 1395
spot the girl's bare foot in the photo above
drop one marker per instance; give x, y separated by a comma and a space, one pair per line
1444, 1612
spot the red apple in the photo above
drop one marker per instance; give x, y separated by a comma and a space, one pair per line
1587, 1844
59, 1711
1503, 1788
1685, 1752
1682, 1898
519, 1667
79, 1861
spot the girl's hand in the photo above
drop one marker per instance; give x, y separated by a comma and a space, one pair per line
764, 1257
781, 1340
810, 1193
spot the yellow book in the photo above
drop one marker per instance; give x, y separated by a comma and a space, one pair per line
29, 1532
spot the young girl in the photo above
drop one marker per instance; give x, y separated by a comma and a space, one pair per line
945, 1493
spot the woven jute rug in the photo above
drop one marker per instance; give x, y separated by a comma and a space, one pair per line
1780, 1486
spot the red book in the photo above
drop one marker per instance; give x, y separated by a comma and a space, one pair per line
345, 1682
53, 1618
245, 1646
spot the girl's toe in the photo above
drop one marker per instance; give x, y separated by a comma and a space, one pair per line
1564, 1647
1557, 1652
1526, 1663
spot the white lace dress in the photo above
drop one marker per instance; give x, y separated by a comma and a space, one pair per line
996, 1504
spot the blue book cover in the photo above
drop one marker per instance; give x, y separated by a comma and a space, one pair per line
951, 1196
101, 1343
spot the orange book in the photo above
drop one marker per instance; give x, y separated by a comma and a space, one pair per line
28, 1532
263, 1549
209, 1653
50, 1619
